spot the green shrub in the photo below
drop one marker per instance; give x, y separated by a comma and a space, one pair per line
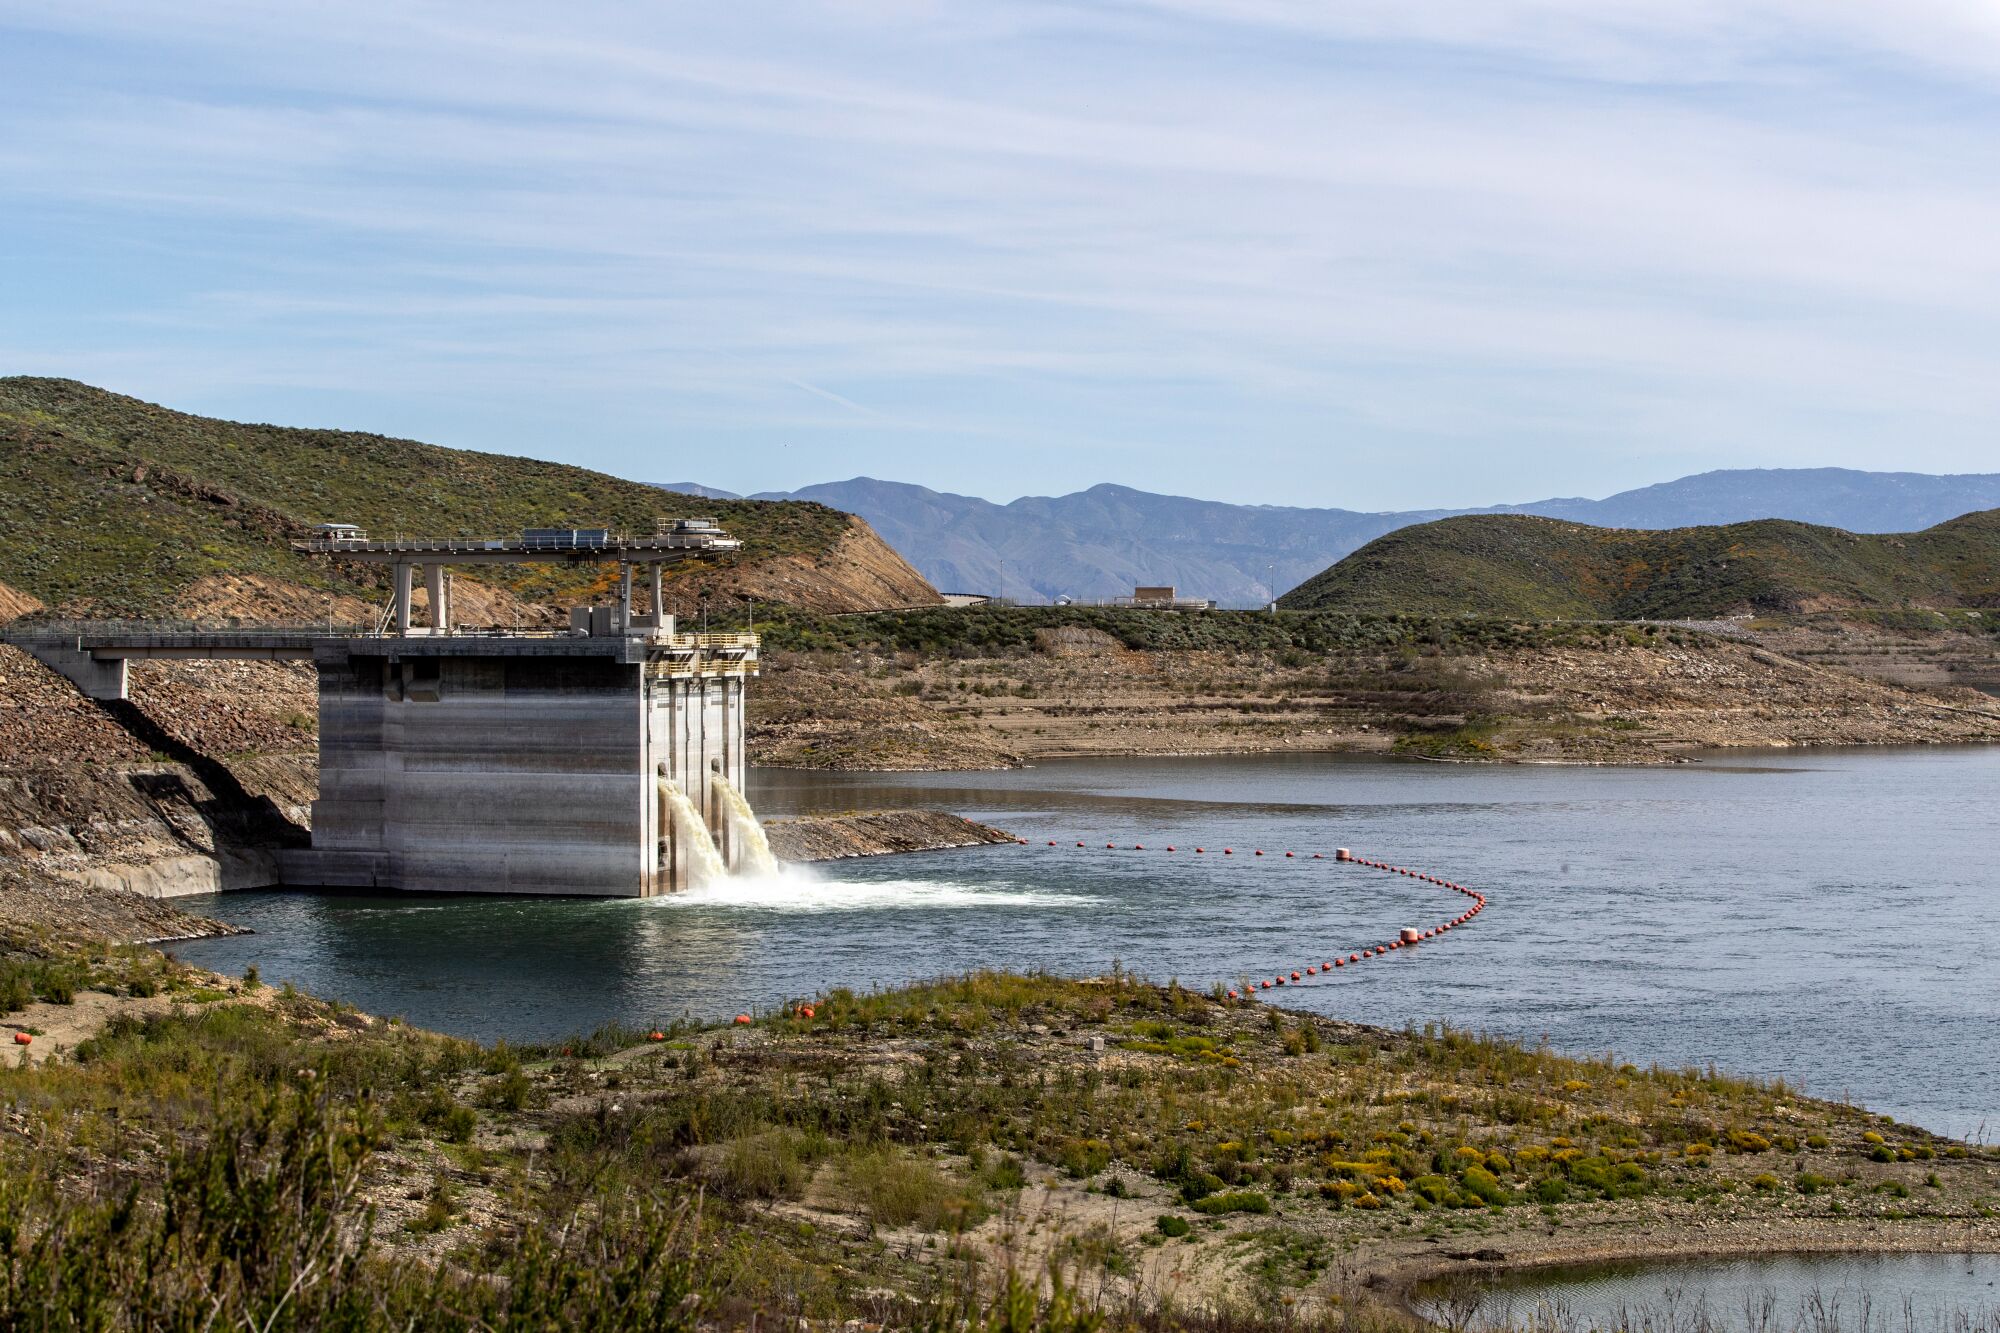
1623, 1180
1483, 1185
1006, 1173
509, 1091
1173, 1227
1084, 1158
897, 1190
773, 1164
1236, 1201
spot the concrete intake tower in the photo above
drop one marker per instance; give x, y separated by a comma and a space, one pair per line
523, 762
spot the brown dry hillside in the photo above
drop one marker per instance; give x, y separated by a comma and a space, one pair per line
134, 509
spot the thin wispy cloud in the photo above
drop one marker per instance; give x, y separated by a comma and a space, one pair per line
1405, 254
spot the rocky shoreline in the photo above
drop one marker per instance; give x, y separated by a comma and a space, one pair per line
876, 833
1609, 700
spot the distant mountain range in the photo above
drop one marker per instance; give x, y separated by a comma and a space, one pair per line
1530, 568
1099, 543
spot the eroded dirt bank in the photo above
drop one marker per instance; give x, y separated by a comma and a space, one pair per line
1618, 698
187, 787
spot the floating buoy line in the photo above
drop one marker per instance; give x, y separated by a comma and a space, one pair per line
1405, 938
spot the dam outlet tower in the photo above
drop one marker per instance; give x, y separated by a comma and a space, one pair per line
586, 761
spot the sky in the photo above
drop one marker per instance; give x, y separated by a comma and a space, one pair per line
1376, 254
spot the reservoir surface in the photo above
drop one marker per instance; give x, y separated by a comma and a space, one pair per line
1826, 917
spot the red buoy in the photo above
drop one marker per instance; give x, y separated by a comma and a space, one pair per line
1295, 974
22, 1039
743, 1018
1340, 962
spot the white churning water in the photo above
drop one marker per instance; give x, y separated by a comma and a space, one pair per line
754, 857
691, 837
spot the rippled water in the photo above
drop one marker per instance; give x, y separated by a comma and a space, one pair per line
1893, 1293
1828, 917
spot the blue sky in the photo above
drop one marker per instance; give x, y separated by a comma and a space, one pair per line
1372, 253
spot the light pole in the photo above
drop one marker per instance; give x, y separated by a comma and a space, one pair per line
1271, 582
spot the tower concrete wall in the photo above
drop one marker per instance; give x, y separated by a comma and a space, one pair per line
514, 765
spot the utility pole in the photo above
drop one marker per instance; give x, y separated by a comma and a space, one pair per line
1271, 582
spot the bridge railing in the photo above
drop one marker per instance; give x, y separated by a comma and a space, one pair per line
70, 631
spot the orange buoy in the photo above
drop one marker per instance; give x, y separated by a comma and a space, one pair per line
1312, 971
1108, 847
1079, 844
743, 1018
1170, 847
1288, 854
22, 1039
1229, 851
1354, 958
1339, 962
1295, 974
1200, 850
806, 1011
1232, 995
1052, 842
1260, 851
656, 1035
1138, 846
1265, 984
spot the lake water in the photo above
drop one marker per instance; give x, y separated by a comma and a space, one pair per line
1828, 917
1883, 1293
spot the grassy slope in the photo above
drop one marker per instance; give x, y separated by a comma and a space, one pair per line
1278, 1144
122, 504
1537, 568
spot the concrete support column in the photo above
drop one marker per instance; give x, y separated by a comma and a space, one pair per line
96, 677
625, 595
405, 575
434, 585
659, 596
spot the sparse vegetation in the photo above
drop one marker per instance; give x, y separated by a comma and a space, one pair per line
309, 1149
131, 503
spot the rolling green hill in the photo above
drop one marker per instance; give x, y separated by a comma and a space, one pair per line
1543, 569
116, 506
